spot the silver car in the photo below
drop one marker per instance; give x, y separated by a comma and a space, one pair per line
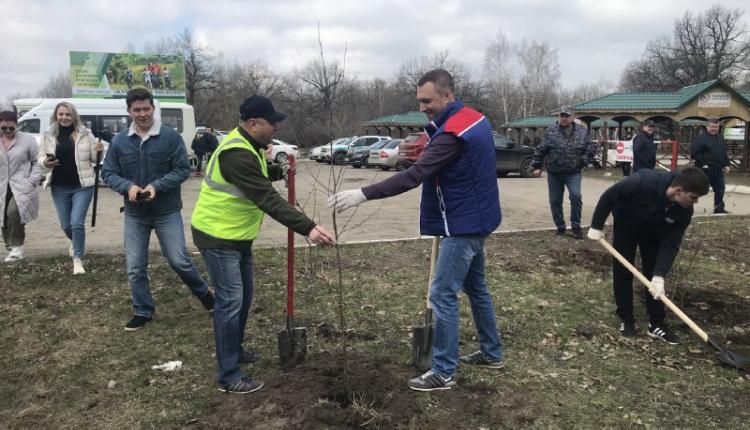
386, 156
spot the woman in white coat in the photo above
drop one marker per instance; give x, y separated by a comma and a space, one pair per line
19, 176
68, 154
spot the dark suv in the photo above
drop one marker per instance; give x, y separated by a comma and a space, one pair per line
512, 157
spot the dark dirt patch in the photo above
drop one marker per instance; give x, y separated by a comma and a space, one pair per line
717, 308
314, 396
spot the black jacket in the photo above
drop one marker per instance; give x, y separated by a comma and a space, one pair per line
639, 202
644, 152
709, 150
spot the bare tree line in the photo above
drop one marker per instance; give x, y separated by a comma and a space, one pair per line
516, 80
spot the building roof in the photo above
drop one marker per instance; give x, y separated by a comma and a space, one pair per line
408, 119
651, 102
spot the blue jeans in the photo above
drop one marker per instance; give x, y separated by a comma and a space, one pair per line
556, 185
169, 231
460, 266
71, 204
232, 275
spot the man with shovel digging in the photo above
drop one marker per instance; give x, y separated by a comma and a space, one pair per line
460, 202
234, 196
651, 210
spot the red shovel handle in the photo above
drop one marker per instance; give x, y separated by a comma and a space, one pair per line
290, 244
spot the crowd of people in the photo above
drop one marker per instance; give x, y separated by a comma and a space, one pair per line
460, 203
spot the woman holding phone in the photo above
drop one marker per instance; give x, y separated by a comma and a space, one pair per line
19, 176
69, 153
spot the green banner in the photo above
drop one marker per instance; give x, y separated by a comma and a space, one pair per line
111, 75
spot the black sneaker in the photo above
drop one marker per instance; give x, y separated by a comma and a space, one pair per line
430, 381
560, 232
479, 359
577, 233
663, 333
208, 301
248, 357
721, 211
242, 386
627, 329
136, 323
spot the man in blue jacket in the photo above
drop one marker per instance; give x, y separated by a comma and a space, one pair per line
461, 203
147, 164
644, 148
651, 210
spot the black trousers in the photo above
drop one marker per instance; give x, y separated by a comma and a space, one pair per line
716, 179
625, 240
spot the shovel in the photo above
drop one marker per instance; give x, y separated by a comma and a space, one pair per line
97, 168
724, 355
421, 341
292, 340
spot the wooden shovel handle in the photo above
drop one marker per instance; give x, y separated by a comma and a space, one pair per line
433, 261
693, 326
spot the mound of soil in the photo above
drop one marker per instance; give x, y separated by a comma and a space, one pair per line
315, 395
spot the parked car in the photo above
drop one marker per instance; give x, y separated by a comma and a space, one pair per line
359, 149
322, 153
280, 151
512, 157
411, 149
385, 157
335, 151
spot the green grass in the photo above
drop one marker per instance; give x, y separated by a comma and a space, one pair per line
63, 341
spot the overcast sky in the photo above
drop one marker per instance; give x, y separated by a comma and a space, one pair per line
595, 39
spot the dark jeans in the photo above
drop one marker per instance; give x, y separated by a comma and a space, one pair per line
716, 179
625, 239
556, 185
232, 275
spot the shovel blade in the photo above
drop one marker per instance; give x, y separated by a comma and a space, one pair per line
292, 347
421, 347
728, 357
733, 359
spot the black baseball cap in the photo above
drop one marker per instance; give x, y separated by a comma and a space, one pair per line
257, 106
649, 123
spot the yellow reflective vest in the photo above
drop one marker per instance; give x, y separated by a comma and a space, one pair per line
223, 211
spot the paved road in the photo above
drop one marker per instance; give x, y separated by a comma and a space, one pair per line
524, 203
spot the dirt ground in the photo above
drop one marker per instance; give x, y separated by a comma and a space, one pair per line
523, 200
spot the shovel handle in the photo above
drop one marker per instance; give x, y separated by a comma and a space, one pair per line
433, 261
290, 245
693, 326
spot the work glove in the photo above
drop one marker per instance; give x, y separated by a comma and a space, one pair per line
595, 234
346, 199
658, 283
285, 167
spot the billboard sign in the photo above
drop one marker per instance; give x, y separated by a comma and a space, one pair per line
111, 75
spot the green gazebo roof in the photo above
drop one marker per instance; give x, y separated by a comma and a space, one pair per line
651, 102
408, 119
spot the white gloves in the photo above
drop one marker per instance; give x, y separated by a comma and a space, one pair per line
658, 283
285, 166
346, 199
595, 234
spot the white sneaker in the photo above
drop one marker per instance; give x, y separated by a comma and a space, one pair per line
70, 249
78, 267
15, 254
